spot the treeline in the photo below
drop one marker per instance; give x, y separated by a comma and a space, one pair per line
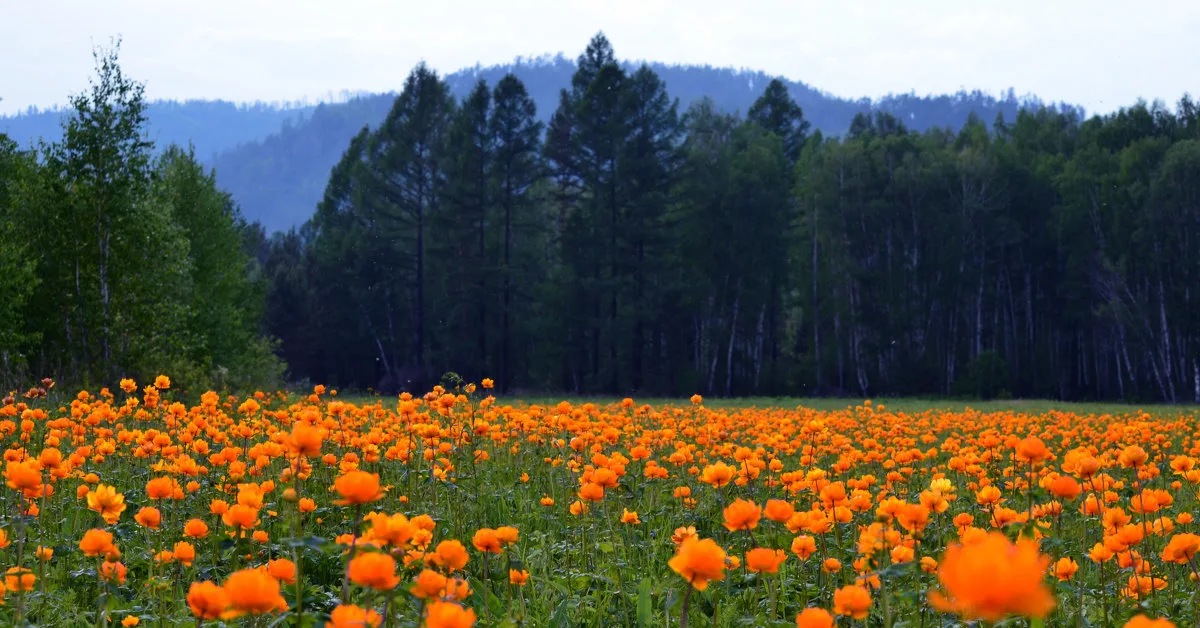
119, 261
631, 247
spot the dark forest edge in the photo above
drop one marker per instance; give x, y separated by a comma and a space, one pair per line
628, 247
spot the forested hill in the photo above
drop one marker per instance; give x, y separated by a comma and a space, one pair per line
275, 160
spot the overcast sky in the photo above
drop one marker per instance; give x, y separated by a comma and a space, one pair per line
1101, 54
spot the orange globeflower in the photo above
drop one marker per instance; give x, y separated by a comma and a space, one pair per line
630, 517
357, 487
239, 516
283, 570
1065, 487
804, 546
853, 601
185, 553
814, 618
19, 579
253, 591
428, 584
1033, 450
160, 488
23, 475
1181, 548
518, 577
96, 542
149, 517
742, 515
993, 578
1141, 621
718, 474
108, 502
683, 533
448, 615
344, 616
206, 600
485, 540
450, 555
592, 492
305, 439
1065, 568
195, 528
375, 570
778, 510
699, 561
761, 559
162, 382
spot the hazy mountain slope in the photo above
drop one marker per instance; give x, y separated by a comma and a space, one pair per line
211, 126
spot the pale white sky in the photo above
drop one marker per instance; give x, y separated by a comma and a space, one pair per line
1102, 54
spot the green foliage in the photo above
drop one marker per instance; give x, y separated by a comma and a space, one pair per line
138, 262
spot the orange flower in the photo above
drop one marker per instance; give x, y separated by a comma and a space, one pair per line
450, 555
1064, 569
162, 382
96, 542
185, 553
283, 570
630, 517
1033, 450
682, 534
448, 615
853, 601
148, 517
344, 616
357, 487
428, 583
375, 570
306, 504
195, 528
699, 561
992, 579
591, 492
508, 534
113, 571
804, 546
23, 476
718, 474
742, 515
518, 578
19, 579
1141, 621
305, 439
814, 618
1181, 548
253, 591
485, 540
108, 502
761, 559
239, 516
778, 510
207, 600
1065, 487
161, 488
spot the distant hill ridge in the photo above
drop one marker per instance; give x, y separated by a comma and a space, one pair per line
275, 159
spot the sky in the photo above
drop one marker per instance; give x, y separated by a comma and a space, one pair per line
1100, 54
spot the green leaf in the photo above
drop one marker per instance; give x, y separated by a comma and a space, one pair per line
645, 610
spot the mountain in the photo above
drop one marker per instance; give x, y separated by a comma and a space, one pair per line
211, 126
275, 160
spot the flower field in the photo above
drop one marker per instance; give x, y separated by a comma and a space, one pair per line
129, 507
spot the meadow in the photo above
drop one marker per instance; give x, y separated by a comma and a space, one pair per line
131, 507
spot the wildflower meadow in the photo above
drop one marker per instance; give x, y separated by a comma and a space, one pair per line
131, 507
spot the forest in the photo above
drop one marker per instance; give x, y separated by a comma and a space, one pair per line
622, 243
